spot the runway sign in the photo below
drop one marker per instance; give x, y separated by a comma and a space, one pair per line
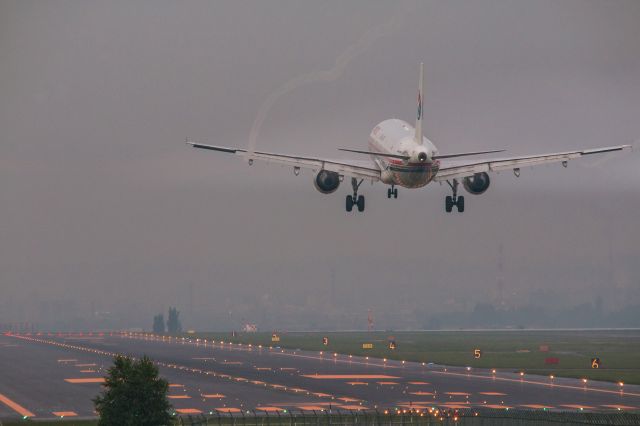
367, 346
595, 362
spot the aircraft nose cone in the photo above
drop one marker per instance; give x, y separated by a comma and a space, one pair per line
422, 157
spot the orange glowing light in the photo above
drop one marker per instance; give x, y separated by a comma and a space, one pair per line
16, 407
188, 411
86, 380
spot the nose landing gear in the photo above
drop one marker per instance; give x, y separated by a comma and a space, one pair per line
355, 199
454, 200
393, 191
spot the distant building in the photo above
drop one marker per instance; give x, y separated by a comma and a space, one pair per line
249, 328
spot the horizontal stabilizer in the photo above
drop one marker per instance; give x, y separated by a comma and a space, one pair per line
380, 154
466, 154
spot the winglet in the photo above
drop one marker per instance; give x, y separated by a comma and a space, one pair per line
418, 136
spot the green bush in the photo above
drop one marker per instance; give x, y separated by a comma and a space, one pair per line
133, 394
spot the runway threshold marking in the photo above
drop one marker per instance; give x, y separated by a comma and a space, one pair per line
421, 393
64, 413
537, 406
498, 407
15, 406
67, 360
86, 365
228, 409
354, 407
213, 395
311, 407
388, 383
358, 383
175, 385
492, 393
188, 411
270, 409
347, 399
178, 397
87, 371
418, 383
348, 376
85, 380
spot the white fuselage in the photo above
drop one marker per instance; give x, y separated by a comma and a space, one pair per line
397, 137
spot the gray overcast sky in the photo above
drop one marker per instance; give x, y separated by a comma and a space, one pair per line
104, 208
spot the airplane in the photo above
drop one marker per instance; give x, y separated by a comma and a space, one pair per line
401, 156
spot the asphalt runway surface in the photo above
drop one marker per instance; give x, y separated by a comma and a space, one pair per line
53, 376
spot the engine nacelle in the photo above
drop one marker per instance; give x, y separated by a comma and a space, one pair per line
476, 184
326, 181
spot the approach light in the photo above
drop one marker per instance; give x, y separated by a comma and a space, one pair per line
621, 384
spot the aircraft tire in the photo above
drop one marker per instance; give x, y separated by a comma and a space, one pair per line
349, 204
360, 203
460, 204
448, 203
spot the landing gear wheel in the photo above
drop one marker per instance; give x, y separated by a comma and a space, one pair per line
355, 199
454, 200
349, 204
392, 192
448, 203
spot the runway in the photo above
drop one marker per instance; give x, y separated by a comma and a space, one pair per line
47, 376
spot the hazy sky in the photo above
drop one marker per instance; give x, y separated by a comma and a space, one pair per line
104, 207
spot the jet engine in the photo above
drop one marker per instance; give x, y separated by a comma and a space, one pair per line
326, 181
476, 184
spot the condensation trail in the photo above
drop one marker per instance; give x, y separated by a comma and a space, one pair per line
359, 47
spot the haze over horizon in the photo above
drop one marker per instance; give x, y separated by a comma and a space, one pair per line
108, 218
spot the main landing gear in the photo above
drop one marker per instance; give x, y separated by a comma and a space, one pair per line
355, 199
393, 191
454, 200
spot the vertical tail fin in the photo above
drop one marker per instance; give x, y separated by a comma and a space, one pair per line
418, 136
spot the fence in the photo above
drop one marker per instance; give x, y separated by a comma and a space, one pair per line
465, 417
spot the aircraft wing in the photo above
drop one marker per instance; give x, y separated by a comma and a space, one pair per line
460, 170
355, 169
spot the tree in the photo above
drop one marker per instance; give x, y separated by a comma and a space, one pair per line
133, 394
173, 322
158, 323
